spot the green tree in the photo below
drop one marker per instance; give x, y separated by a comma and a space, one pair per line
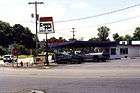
16, 35
120, 38
103, 33
5, 34
61, 39
116, 36
23, 36
94, 39
3, 51
136, 34
127, 38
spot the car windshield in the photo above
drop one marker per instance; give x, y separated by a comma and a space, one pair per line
6, 56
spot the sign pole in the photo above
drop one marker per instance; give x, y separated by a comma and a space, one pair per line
46, 27
46, 57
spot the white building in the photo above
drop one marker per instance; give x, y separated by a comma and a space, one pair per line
125, 49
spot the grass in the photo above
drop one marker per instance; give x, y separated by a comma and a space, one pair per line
25, 56
29, 56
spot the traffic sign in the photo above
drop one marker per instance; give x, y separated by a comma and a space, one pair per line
46, 25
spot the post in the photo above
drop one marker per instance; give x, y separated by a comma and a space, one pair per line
46, 57
73, 32
36, 19
46, 28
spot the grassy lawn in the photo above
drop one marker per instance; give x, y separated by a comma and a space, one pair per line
25, 56
29, 56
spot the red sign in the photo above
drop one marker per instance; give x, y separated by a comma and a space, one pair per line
46, 25
46, 19
14, 51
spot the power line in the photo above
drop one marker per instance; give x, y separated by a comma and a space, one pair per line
98, 15
121, 20
113, 22
107, 23
117, 21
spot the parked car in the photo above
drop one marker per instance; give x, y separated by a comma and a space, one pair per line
96, 57
67, 59
9, 58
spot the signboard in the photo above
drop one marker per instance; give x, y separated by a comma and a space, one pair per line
14, 51
46, 25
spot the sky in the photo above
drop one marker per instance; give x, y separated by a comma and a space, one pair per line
19, 12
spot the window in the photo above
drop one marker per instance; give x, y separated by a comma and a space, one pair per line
113, 51
123, 43
123, 51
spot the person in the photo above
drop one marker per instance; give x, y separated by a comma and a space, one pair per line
21, 64
53, 56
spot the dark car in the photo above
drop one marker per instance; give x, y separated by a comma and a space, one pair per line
67, 59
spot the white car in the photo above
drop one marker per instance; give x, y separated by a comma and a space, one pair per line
96, 57
9, 58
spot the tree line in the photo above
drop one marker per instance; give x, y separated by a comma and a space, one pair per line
134, 37
103, 33
17, 36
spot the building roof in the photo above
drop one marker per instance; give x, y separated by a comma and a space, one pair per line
78, 44
129, 43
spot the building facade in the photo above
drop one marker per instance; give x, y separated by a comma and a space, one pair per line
125, 49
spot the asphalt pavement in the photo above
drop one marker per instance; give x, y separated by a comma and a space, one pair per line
116, 76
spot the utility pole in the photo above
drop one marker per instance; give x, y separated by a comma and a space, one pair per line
36, 19
73, 31
46, 58
73, 39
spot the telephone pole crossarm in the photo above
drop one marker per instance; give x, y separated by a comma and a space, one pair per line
36, 2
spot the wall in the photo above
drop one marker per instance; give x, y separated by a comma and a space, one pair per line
133, 51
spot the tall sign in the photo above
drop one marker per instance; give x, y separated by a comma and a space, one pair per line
46, 25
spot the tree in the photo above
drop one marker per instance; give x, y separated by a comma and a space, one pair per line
120, 38
61, 39
71, 39
116, 36
94, 39
127, 38
16, 35
3, 51
103, 33
23, 36
136, 34
5, 34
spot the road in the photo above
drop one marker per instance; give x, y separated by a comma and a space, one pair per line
117, 76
